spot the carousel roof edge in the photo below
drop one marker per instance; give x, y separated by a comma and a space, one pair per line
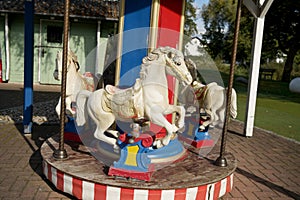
97, 9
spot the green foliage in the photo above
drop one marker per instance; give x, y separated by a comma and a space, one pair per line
281, 34
190, 27
219, 21
277, 109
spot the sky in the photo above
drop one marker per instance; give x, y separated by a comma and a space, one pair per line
198, 4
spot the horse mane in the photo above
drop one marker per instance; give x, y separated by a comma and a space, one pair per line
153, 56
192, 68
71, 57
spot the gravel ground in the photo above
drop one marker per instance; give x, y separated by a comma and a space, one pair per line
43, 113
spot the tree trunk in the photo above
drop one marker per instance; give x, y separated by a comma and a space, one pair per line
288, 66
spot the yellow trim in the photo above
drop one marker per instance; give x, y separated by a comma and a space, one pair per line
154, 24
181, 26
120, 42
176, 91
190, 131
181, 35
131, 156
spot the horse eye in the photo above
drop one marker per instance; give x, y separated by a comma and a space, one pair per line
170, 55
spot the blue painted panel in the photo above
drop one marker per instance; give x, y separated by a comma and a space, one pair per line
135, 39
28, 63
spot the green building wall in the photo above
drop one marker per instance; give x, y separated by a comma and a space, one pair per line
82, 41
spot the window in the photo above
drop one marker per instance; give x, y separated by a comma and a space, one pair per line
54, 34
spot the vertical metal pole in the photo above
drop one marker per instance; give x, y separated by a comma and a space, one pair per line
28, 66
1, 80
221, 160
61, 153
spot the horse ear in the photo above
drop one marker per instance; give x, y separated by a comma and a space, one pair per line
78, 66
170, 55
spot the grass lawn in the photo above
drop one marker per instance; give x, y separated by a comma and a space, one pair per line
277, 109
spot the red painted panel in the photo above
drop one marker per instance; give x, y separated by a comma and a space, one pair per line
77, 188
100, 191
60, 180
180, 194
127, 194
228, 185
217, 190
49, 173
154, 195
201, 194
169, 21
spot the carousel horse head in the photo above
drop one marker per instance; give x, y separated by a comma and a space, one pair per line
75, 80
192, 68
71, 62
173, 59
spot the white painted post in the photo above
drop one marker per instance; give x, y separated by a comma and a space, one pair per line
7, 56
97, 63
259, 13
254, 75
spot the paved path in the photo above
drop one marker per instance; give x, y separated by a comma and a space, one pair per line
268, 165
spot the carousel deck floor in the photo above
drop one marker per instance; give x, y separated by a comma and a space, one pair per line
191, 172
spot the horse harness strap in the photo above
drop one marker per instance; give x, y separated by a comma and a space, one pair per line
200, 92
89, 79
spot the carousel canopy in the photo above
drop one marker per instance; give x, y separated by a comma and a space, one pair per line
98, 9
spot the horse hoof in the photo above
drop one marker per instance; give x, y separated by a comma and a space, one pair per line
181, 130
157, 144
175, 128
131, 140
116, 149
165, 141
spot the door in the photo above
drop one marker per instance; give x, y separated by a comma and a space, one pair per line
51, 41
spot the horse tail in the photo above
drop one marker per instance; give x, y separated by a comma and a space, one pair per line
81, 100
233, 107
100, 82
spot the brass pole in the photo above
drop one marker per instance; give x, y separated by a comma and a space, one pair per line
61, 153
221, 160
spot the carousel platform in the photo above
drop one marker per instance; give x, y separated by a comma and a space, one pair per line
84, 177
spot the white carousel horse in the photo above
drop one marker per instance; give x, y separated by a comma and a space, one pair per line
147, 99
75, 81
211, 98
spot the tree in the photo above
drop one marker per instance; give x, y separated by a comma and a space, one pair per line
282, 32
219, 22
190, 27
215, 24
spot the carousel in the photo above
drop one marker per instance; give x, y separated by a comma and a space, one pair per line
158, 133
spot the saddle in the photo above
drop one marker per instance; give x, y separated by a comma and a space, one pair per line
125, 103
90, 81
201, 91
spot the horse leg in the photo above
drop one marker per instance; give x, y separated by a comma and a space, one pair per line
57, 108
100, 135
233, 108
69, 110
180, 111
102, 119
159, 119
211, 117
